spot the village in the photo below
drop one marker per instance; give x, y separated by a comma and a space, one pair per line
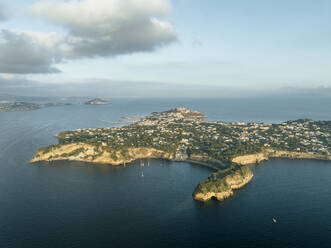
184, 132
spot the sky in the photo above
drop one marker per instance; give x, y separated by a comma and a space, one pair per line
164, 48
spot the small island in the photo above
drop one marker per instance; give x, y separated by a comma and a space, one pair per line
180, 134
97, 101
9, 106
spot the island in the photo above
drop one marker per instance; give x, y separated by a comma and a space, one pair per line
97, 101
8, 106
180, 134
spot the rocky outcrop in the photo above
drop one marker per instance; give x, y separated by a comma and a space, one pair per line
88, 153
221, 185
296, 155
270, 153
251, 158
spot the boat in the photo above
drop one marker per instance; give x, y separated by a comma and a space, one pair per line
142, 174
142, 163
274, 220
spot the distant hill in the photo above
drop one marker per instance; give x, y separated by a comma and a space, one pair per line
97, 101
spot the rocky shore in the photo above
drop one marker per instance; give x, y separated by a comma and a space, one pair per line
180, 134
88, 153
221, 185
270, 153
222, 188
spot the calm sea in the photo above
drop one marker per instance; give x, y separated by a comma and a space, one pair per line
82, 205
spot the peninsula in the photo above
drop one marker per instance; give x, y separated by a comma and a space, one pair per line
183, 135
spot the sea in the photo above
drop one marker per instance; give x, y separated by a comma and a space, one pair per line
74, 204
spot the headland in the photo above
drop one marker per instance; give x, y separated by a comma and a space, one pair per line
183, 135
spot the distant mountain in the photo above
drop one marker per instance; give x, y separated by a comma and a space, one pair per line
97, 101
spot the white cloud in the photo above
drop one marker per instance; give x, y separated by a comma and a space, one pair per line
29, 52
110, 27
95, 28
3, 13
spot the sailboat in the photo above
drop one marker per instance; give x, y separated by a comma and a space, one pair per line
148, 163
142, 174
142, 163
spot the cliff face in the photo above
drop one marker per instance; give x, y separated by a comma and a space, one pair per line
296, 155
250, 159
221, 184
270, 153
88, 153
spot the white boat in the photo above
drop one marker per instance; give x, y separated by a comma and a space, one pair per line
142, 174
274, 220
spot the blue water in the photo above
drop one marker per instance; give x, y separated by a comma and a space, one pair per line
84, 205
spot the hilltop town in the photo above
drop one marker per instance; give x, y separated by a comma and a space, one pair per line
183, 132
185, 135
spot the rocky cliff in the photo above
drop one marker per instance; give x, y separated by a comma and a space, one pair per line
270, 153
222, 183
88, 153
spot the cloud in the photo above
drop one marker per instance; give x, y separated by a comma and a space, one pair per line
3, 13
95, 28
101, 28
29, 52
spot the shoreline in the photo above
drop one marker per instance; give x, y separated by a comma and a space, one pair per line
233, 181
268, 154
151, 153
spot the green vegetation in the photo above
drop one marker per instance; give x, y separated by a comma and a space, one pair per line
217, 181
113, 156
76, 152
185, 130
185, 135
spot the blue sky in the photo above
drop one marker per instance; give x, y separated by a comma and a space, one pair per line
229, 44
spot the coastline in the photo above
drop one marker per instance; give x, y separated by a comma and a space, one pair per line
220, 190
267, 154
139, 153
87, 154
221, 185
